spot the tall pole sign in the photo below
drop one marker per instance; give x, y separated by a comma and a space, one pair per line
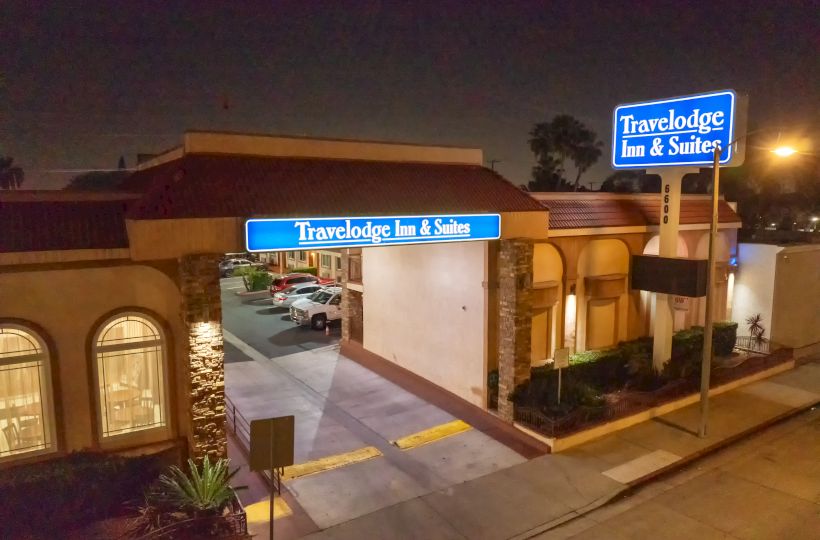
673, 137
675, 132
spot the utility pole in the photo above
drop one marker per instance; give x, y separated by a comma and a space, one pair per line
493, 162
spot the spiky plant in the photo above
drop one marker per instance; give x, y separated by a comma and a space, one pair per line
755, 325
203, 490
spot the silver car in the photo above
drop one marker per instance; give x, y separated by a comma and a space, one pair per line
227, 266
287, 297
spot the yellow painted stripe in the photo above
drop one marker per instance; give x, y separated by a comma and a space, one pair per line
259, 512
330, 462
433, 434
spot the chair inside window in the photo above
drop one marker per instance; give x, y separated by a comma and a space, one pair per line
12, 436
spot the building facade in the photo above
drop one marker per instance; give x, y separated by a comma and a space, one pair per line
110, 310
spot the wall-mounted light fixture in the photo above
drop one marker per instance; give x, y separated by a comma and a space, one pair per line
570, 309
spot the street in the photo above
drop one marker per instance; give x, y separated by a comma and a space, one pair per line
764, 487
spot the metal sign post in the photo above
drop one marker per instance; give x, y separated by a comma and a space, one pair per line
560, 362
271, 448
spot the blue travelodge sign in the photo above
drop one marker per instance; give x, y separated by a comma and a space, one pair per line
676, 131
344, 232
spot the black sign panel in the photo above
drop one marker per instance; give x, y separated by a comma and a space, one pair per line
681, 277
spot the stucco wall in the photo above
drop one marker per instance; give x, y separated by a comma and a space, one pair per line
67, 304
425, 309
795, 318
754, 284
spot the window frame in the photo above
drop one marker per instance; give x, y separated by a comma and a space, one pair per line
48, 389
145, 435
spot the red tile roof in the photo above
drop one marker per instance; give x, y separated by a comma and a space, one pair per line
203, 185
590, 210
55, 220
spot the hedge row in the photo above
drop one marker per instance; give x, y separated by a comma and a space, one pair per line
46, 499
630, 362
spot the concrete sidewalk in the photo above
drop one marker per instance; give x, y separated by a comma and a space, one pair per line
535, 496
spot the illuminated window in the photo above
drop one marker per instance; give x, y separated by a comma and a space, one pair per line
130, 371
26, 410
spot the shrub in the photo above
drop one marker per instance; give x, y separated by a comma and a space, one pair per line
202, 490
306, 270
254, 277
640, 366
46, 499
724, 336
492, 380
492, 388
605, 370
542, 392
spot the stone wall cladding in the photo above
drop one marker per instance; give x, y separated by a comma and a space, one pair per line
345, 297
514, 319
202, 313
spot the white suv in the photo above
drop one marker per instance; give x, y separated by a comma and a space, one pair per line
318, 309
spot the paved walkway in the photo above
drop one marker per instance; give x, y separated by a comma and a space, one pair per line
532, 497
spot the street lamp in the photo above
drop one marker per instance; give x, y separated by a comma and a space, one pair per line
706, 365
784, 151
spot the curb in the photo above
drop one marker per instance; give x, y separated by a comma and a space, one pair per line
663, 471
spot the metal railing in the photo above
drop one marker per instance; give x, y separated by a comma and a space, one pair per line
225, 527
753, 344
238, 424
241, 429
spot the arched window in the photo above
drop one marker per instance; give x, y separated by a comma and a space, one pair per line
130, 368
26, 409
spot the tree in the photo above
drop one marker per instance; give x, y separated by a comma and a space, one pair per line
621, 182
11, 176
554, 143
99, 180
96, 181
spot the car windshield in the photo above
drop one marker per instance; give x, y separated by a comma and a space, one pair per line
321, 297
289, 290
277, 282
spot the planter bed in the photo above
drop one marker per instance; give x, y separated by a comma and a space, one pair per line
624, 408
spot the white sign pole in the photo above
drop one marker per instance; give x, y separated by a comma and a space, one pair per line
671, 178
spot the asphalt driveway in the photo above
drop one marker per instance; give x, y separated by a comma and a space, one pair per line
266, 328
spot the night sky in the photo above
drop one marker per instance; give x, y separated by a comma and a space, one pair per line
87, 82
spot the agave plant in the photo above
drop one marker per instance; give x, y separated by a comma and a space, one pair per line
204, 490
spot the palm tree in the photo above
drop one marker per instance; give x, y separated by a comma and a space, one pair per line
11, 177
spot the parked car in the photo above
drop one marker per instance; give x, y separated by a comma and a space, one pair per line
290, 295
288, 280
318, 309
227, 267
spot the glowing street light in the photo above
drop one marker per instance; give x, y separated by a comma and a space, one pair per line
784, 151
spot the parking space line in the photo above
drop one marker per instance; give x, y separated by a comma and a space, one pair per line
433, 434
259, 512
330, 462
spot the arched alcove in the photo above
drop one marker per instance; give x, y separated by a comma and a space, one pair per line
601, 294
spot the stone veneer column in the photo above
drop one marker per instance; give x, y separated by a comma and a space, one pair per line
202, 314
514, 319
345, 296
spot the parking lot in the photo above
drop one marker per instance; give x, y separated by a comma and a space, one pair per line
268, 329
